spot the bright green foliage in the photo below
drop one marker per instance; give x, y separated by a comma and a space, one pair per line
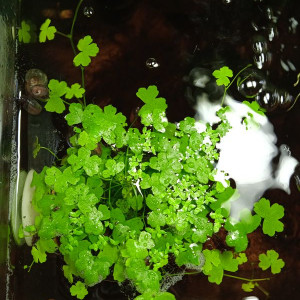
75, 114
75, 91
222, 76
237, 231
153, 112
79, 290
56, 91
271, 216
126, 200
242, 258
47, 32
271, 260
255, 107
158, 296
24, 33
248, 287
38, 255
216, 263
87, 50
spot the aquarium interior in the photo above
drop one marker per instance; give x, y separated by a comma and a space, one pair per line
143, 43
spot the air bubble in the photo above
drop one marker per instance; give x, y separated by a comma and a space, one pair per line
88, 11
152, 63
269, 13
262, 60
259, 44
226, 1
251, 83
271, 32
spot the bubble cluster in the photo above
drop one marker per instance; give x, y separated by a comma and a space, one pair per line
88, 11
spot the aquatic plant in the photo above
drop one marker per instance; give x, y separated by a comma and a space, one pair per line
128, 202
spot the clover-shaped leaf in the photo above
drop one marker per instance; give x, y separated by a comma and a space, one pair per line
255, 107
248, 287
271, 216
24, 33
153, 111
47, 32
237, 231
84, 160
222, 76
75, 91
271, 260
79, 290
75, 114
56, 90
112, 168
87, 49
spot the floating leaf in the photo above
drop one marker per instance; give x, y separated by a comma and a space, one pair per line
87, 50
47, 32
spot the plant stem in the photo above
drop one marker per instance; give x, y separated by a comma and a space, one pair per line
109, 194
75, 18
63, 34
231, 82
294, 102
246, 279
41, 147
262, 289
83, 85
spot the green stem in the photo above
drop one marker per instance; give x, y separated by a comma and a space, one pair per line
262, 289
109, 194
294, 102
83, 85
246, 279
50, 152
75, 17
231, 82
64, 35
298, 78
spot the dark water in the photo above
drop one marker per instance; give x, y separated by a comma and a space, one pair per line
162, 42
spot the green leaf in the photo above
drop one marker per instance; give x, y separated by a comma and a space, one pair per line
271, 216
68, 273
87, 49
222, 76
212, 258
271, 260
228, 262
38, 255
237, 235
79, 290
90, 164
119, 271
56, 91
248, 287
153, 111
75, 91
203, 229
75, 114
136, 202
145, 240
242, 258
24, 33
47, 32
255, 107
104, 211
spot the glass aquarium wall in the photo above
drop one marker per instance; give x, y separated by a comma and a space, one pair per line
8, 114
161, 139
